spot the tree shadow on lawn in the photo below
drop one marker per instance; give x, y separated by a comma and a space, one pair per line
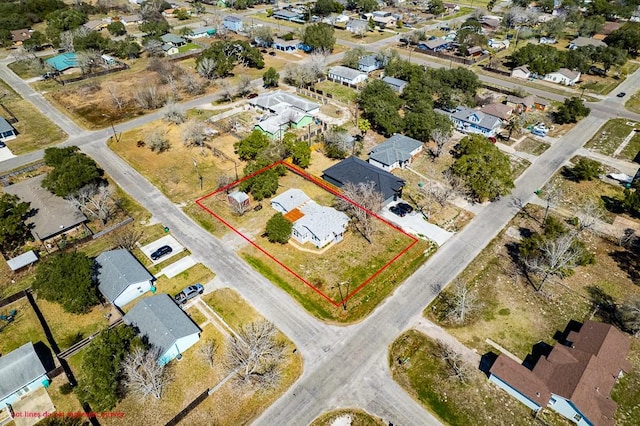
629, 261
613, 205
605, 306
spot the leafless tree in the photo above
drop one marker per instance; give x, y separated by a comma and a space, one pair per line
128, 237
117, 99
365, 197
144, 376
194, 133
626, 237
224, 180
191, 84
157, 140
299, 75
149, 97
458, 368
154, 48
318, 62
555, 257
551, 198
173, 114
66, 41
226, 90
630, 316
443, 192
340, 140
440, 138
208, 351
244, 85
262, 34
94, 200
255, 354
464, 301
588, 215
207, 68
87, 60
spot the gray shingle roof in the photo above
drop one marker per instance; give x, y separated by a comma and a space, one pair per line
395, 83
397, 148
273, 99
345, 72
161, 321
368, 60
231, 18
5, 126
173, 39
18, 368
486, 121
117, 270
355, 170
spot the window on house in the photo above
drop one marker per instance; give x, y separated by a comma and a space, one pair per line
552, 401
577, 417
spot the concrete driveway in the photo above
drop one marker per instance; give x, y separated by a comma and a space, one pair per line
167, 240
177, 267
6, 154
415, 224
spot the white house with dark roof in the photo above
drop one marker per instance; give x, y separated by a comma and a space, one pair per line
21, 372
7, 131
563, 76
313, 223
164, 325
396, 152
469, 120
346, 75
121, 278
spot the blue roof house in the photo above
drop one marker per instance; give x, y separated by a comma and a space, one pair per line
232, 23
164, 326
63, 62
121, 278
21, 372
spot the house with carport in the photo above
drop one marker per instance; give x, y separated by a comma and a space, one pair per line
312, 223
574, 378
563, 76
163, 325
396, 152
121, 277
521, 72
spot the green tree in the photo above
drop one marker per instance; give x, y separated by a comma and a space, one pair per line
14, 232
420, 122
571, 111
35, 42
626, 38
116, 28
181, 14
71, 170
252, 146
319, 37
631, 202
299, 151
270, 78
278, 229
353, 56
65, 20
436, 7
219, 59
326, 7
67, 279
540, 58
380, 105
155, 28
263, 184
586, 169
100, 382
364, 125
485, 170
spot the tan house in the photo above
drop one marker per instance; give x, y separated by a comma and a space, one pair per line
501, 111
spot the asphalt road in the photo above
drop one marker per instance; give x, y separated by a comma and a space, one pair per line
343, 366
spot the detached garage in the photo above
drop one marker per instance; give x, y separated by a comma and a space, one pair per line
121, 278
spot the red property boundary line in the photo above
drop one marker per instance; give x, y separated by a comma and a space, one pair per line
298, 171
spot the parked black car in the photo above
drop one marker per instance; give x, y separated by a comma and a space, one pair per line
162, 251
398, 211
406, 207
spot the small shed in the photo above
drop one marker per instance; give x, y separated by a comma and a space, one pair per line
25, 259
238, 199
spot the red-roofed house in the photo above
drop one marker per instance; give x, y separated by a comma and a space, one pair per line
575, 379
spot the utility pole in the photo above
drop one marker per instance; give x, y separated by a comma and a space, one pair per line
195, 165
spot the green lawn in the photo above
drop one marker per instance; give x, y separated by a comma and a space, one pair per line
339, 92
187, 47
633, 104
24, 328
610, 136
463, 11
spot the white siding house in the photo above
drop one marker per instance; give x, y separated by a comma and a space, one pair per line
396, 152
165, 325
521, 72
563, 76
121, 278
346, 75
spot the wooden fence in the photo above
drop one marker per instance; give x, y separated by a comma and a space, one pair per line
186, 410
457, 59
14, 297
5, 180
121, 67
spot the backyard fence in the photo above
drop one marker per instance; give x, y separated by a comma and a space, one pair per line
112, 228
5, 180
186, 410
13, 119
453, 58
117, 68
13, 298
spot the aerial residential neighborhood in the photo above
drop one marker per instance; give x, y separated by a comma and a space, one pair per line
326, 213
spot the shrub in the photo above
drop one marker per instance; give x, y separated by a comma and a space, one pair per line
278, 229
